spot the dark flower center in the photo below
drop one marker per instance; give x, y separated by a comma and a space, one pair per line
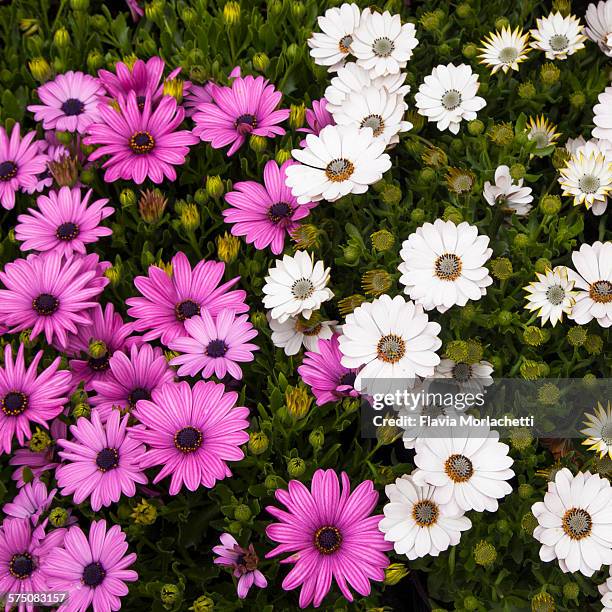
187, 309
425, 513
45, 304
72, 107
245, 124
279, 211
140, 101
142, 142
577, 523
344, 44
99, 364
188, 439
327, 539
601, 291
391, 348
21, 566
138, 394
14, 403
459, 468
216, 348
462, 372
67, 231
107, 459
93, 574
448, 267
8, 170
348, 379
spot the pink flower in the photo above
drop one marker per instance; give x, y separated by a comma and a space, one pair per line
135, 9
32, 500
317, 118
267, 213
197, 95
246, 107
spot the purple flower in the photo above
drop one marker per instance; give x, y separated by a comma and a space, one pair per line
265, 214
135, 9
49, 293
64, 223
243, 562
317, 118
69, 102
21, 160
169, 300
32, 500
246, 107
331, 535
191, 433
131, 378
329, 380
140, 144
102, 462
198, 94
92, 570
26, 396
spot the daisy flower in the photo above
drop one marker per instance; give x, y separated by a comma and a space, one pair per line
130, 378
587, 177
197, 94
242, 561
542, 131
323, 372
296, 285
317, 118
598, 430
32, 500
69, 102
469, 377
511, 196
574, 522
340, 160
593, 283
448, 96
602, 116
294, 333
191, 433
391, 338
139, 143
21, 160
558, 36
101, 463
265, 214
599, 25
92, 569
169, 299
382, 45
333, 44
470, 471
214, 346
551, 295
64, 222
504, 49
332, 535
416, 524
443, 264
248, 106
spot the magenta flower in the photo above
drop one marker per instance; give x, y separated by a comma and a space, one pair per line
92, 570
48, 293
21, 160
246, 107
214, 345
198, 94
169, 300
24, 552
135, 9
140, 144
32, 500
101, 462
69, 102
265, 214
26, 396
329, 380
65, 222
317, 118
131, 378
243, 562
331, 535
191, 433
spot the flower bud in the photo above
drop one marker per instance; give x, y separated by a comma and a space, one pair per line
485, 553
273, 482
470, 51
231, 13
526, 90
549, 73
534, 336
188, 15
376, 282
432, 21
154, 10
562, 6
391, 195
517, 171
258, 143
351, 252
203, 604
170, 594
174, 88
348, 304
258, 442
144, 513
40, 69
577, 100
127, 198
316, 438
382, 240
452, 213
427, 175
501, 268
463, 11
282, 155
525, 490
292, 51
298, 401
571, 590
58, 517
79, 5
476, 127
242, 513
529, 523
541, 265
61, 38
261, 62
501, 23
593, 344
471, 603
520, 241
576, 335
501, 134
543, 602
417, 215
297, 9
394, 573
39, 441
434, 157
504, 318
151, 205
214, 187
228, 247
296, 467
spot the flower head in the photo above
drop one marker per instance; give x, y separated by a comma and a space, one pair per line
296, 332
542, 131
603, 115
599, 25
317, 118
598, 430
558, 36
504, 50
32, 500
511, 196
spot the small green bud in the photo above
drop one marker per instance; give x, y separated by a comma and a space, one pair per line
394, 573
316, 438
543, 602
476, 127
471, 603
258, 143
214, 187
525, 490
391, 195
242, 513
463, 11
40, 441
470, 51
203, 604
428, 175
520, 241
144, 513
351, 253
296, 467
593, 344
501, 268
535, 336
94, 60
577, 335
549, 73
200, 196
529, 523
541, 265
382, 240
82, 409
127, 198
261, 62
501, 134
549, 394
485, 553
501, 23
451, 213
273, 482
444, 49
258, 442
458, 351
170, 594
571, 590
526, 90
517, 171
417, 215
40, 69
188, 15
504, 318
432, 21
231, 13
297, 9
282, 155
58, 517
292, 51
550, 204
61, 38
79, 5
577, 100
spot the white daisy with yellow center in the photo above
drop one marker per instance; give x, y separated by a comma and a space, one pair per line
542, 131
598, 430
551, 295
504, 50
468, 377
558, 36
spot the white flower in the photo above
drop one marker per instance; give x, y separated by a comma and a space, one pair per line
551, 295
293, 333
416, 524
587, 177
296, 285
558, 36
382, 44
599, 25
469, 377
504, 49
392, 338
340, 160
605, 590
593, 280
575, 522
599, 430
542, 131
573, 144
511, 196
377, 109
469, 471
603, 115
331, 46
448, 96
443, 265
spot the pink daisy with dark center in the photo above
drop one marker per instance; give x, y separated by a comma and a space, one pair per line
170, 299
191, 433
32, 500
139, 143
317, 118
